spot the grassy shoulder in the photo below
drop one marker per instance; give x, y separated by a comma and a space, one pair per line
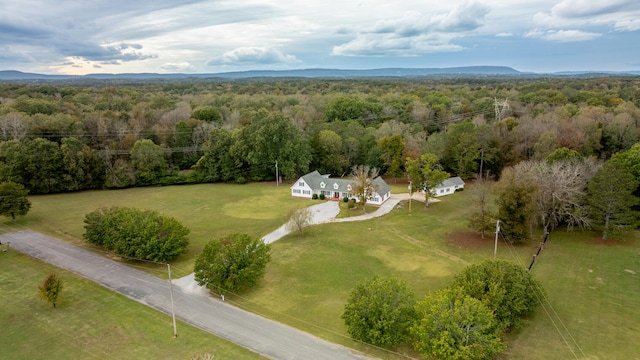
90, 322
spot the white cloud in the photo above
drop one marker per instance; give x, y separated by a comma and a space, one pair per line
622, 15
415, 33
253, 55
562, 35
376, 45
215, 35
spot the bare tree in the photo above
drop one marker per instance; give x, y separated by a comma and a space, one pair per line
12, 126
561, 184
299, 219
363, 187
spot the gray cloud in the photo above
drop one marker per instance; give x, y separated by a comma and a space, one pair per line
253, 55
581, 8
87, 30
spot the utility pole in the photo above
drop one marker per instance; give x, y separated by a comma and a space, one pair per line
277, 177
173, 314
495, 248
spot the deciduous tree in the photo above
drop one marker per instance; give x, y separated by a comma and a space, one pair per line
515, 204
392, 148
232, 263
137, 234
507, 289
149, 162
50, 289
561, 194
13, 200
426, 174
299, 219
610, 198
380, 311
328, 157
363, 187
272, 137
463, 149
453, 325
481, 219
208, 114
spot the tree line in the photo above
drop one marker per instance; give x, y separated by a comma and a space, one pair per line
63, 137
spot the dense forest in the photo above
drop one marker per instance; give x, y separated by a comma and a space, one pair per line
59, 137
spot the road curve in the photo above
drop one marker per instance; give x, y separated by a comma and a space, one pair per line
269, 338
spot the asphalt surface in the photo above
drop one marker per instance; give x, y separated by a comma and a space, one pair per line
264, 336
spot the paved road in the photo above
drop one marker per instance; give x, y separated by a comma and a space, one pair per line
267, 337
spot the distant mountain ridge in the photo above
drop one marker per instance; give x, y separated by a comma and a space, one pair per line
304, 73
13, 75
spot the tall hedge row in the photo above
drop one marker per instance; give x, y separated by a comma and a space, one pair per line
137, 234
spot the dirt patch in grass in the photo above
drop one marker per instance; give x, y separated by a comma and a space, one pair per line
613, 242
469, 240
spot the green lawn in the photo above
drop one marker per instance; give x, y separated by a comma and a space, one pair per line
208, 210
592, 287
89, 321
311, 276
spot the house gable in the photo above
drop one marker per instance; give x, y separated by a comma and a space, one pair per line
315, 183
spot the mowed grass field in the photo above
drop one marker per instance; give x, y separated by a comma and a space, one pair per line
593, 289
89, 321
208, 210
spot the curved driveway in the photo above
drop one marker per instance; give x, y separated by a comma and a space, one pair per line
264, 336
327, 211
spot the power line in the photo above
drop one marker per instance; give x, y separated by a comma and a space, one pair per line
538, 294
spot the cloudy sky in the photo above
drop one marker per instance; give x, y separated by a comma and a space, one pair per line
193, 36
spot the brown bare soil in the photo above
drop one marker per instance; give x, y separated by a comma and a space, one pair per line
613, 242
469, 240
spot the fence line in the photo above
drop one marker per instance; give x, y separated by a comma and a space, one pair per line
535, 256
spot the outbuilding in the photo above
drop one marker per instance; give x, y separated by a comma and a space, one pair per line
449, 186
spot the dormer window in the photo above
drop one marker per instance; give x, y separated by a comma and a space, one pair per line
335, 186
349, 187
322, 184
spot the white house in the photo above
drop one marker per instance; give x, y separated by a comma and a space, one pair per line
449, 186
336, 189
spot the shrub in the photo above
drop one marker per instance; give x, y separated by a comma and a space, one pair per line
380, 311
321, 196
233, 263
137, 234
345, 199
505, 288
456, 326
314, 196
